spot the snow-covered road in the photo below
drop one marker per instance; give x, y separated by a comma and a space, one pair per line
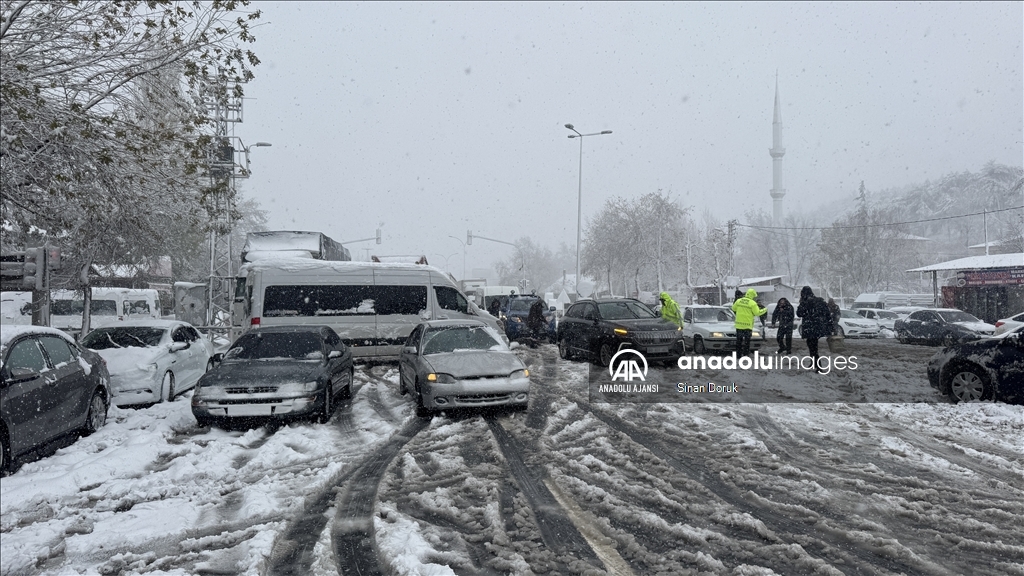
566, 487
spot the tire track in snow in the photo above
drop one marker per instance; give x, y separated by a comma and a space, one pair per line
353, 537
557, 530
782, 526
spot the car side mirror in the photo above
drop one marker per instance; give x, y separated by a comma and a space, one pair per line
178, 346
21, 375
409, 350
334, 354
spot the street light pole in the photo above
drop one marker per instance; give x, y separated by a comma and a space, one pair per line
463, 255
579, 202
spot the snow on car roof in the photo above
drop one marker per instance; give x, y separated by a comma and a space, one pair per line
292, 264
9, 332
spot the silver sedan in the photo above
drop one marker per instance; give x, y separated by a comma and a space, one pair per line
449, 364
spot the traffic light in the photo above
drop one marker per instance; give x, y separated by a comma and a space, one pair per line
469, 237
33, 269
52, 257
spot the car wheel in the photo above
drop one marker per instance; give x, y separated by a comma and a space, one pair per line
563, 350
903, 337
698, 345
5, 457
840, 332
421, 410
209, 364
949, 339
604, 354
401, 381
967, 384
167, 387
97, 415
325, 409
204, 422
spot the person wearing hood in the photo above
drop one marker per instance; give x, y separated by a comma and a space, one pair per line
784, 316
670, 310
817, 322
746, 309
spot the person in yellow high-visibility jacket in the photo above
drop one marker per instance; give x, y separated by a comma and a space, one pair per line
670, 310
746, 309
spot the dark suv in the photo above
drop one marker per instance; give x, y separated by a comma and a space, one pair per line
597, 329
514, 313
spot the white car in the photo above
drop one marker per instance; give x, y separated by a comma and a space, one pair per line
151, 360
853, 325
713, 328
885, 318
1007, 324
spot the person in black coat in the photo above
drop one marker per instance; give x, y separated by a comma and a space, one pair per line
783, 317
816, 321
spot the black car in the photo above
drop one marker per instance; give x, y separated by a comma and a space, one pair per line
515, 312
945, 326
278, 373
49, 387
986, 369
597, 329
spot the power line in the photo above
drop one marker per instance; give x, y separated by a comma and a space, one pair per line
769, 228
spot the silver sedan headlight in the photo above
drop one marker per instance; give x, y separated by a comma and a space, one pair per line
520, 374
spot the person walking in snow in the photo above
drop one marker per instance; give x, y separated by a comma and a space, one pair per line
746, 309
816, 321
835, 314
784, 316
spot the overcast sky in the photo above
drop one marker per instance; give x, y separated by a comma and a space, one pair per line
437, 118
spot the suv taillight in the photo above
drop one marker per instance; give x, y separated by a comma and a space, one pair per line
255, 322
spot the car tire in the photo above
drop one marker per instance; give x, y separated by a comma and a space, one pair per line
840, 332
204, 422
604, 354
698, 345
167, 387
421, 410
5, 453
209, 364
969, 383
97, 415
401, 381
949, 339
903, 337
327, 407
563, 350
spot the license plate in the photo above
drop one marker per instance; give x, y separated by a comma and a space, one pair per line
249, 410
657, 350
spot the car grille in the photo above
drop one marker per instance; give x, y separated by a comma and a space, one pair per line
656, 337
480, 398
252, 390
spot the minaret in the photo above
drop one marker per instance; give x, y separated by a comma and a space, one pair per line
777, 152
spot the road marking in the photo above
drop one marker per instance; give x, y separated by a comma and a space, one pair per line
603, 546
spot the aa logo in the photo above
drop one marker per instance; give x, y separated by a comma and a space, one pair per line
627, 369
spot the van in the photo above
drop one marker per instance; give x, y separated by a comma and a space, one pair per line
108, 306
373, 306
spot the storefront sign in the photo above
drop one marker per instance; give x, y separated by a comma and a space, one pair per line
993, 277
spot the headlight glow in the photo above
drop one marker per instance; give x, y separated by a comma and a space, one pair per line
718, 335
620, 331
441, 378
520, 374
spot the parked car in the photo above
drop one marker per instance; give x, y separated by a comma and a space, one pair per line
885, 318
853, 325
985, 369
450, 364
279, 373
151, 360
713, 328
515, 311
49, 387
944, 326
597, 329
1007, 324
904, 311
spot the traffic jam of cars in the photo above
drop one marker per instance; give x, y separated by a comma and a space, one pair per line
313, 322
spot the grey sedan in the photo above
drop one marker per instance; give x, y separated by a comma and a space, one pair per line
280, 373
450, 364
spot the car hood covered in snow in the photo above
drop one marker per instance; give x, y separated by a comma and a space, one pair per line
264, 372
473, 363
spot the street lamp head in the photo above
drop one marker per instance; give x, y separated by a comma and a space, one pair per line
262, 144
606, 132
572, 135
569, 126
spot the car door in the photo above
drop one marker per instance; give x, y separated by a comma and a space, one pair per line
590, 328
570, 325
183, 364
70, 383
29, 401
200, 354
915, 325
407, 360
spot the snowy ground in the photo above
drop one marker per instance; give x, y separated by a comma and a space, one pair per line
568, 487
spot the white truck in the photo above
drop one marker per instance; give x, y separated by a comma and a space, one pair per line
886, 300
